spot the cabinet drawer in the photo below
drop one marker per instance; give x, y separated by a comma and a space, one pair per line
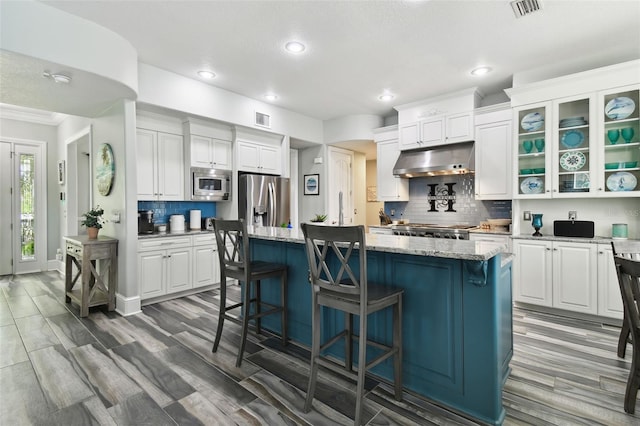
163, 243
74, 250
204, 239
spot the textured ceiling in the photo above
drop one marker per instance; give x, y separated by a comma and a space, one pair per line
357, 49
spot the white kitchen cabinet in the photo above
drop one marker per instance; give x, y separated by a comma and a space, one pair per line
380, 231
164, 266
435, 131
206, 264
260, 158
578, 116
494, 238
160, 166
609, 298
390, 187
494, 164
556, 274
532, 272
210, 152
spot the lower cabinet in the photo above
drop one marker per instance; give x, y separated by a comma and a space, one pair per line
173, 264
164, 266
494, 238
206, 265
609, 298
557, 274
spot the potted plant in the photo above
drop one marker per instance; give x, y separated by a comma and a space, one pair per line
319, 218
93, 221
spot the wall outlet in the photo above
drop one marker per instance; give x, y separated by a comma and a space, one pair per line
393, 212
573, 215
526, 215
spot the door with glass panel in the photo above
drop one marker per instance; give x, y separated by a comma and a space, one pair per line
28, 209
5, 209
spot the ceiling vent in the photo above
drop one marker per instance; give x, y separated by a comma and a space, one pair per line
525, 7
263, 120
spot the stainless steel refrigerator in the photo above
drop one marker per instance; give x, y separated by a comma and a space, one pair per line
263, 200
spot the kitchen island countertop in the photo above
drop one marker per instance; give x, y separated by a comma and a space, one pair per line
436, 247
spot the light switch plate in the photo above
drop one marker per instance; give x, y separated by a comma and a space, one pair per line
526, 215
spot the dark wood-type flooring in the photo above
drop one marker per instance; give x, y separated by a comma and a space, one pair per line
157, 368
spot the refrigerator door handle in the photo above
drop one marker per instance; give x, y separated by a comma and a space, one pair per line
272, 204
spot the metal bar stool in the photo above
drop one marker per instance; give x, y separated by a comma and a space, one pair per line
629, 279
628, 250
336, 285
235, 262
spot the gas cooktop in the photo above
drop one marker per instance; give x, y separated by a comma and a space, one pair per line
433, 230
433, 225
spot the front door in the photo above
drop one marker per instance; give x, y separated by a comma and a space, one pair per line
23, 218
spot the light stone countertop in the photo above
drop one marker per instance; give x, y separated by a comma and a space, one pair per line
186, 233
420, 246
594, 240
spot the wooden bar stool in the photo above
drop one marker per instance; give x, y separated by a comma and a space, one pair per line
629, 279
235, 262
629, 250
336, 285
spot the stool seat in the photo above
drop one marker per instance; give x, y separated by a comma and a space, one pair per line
235, 262
337, 257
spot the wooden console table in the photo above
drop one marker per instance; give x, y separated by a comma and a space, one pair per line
98, 282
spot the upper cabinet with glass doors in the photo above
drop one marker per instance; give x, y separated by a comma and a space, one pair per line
532, 166
574, 156
620, 133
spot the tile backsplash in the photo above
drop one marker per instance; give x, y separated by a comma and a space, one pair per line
163, 209
427, 194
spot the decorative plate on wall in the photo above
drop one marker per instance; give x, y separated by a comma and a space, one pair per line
105, 169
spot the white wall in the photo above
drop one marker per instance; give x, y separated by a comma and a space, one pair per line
373, 207
168, 90
604, 212
359, 188
310, 205
351, 127
45, 133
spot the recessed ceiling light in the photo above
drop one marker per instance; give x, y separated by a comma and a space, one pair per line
294, 47
386, 97
480, 70
58, 78
271, 97
207, 74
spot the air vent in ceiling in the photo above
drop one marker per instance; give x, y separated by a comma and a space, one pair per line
263, 120
525, 7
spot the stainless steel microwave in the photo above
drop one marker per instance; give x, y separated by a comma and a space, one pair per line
210, 184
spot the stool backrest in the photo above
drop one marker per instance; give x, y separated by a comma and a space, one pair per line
629, 249
233, 246
333, 251
629, 279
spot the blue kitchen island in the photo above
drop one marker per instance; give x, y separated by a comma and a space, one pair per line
457, 312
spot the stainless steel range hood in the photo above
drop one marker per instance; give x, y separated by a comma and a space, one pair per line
458, 158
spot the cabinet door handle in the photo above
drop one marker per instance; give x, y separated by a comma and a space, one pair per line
555, 249
548, 249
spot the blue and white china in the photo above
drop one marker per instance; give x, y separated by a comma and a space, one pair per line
572, 122
572, 161
532, 185
619, 108
532, 122
622, 181
572, 139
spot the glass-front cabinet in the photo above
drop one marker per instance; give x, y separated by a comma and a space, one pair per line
532, 168
574, 156
581, 146
620, 135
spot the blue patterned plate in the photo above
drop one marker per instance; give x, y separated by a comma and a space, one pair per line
532, 185
532, 122
622, 181
619, 108
572, 139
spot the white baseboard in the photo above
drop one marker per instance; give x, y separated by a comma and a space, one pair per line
55, 265
126, 306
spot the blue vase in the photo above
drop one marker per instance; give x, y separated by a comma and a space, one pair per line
536, 222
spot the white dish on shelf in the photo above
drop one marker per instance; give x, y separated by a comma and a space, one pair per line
532, 185
619, 108
532, 122
622, 181
572, 161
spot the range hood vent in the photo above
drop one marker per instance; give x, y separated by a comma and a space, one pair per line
449, 159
